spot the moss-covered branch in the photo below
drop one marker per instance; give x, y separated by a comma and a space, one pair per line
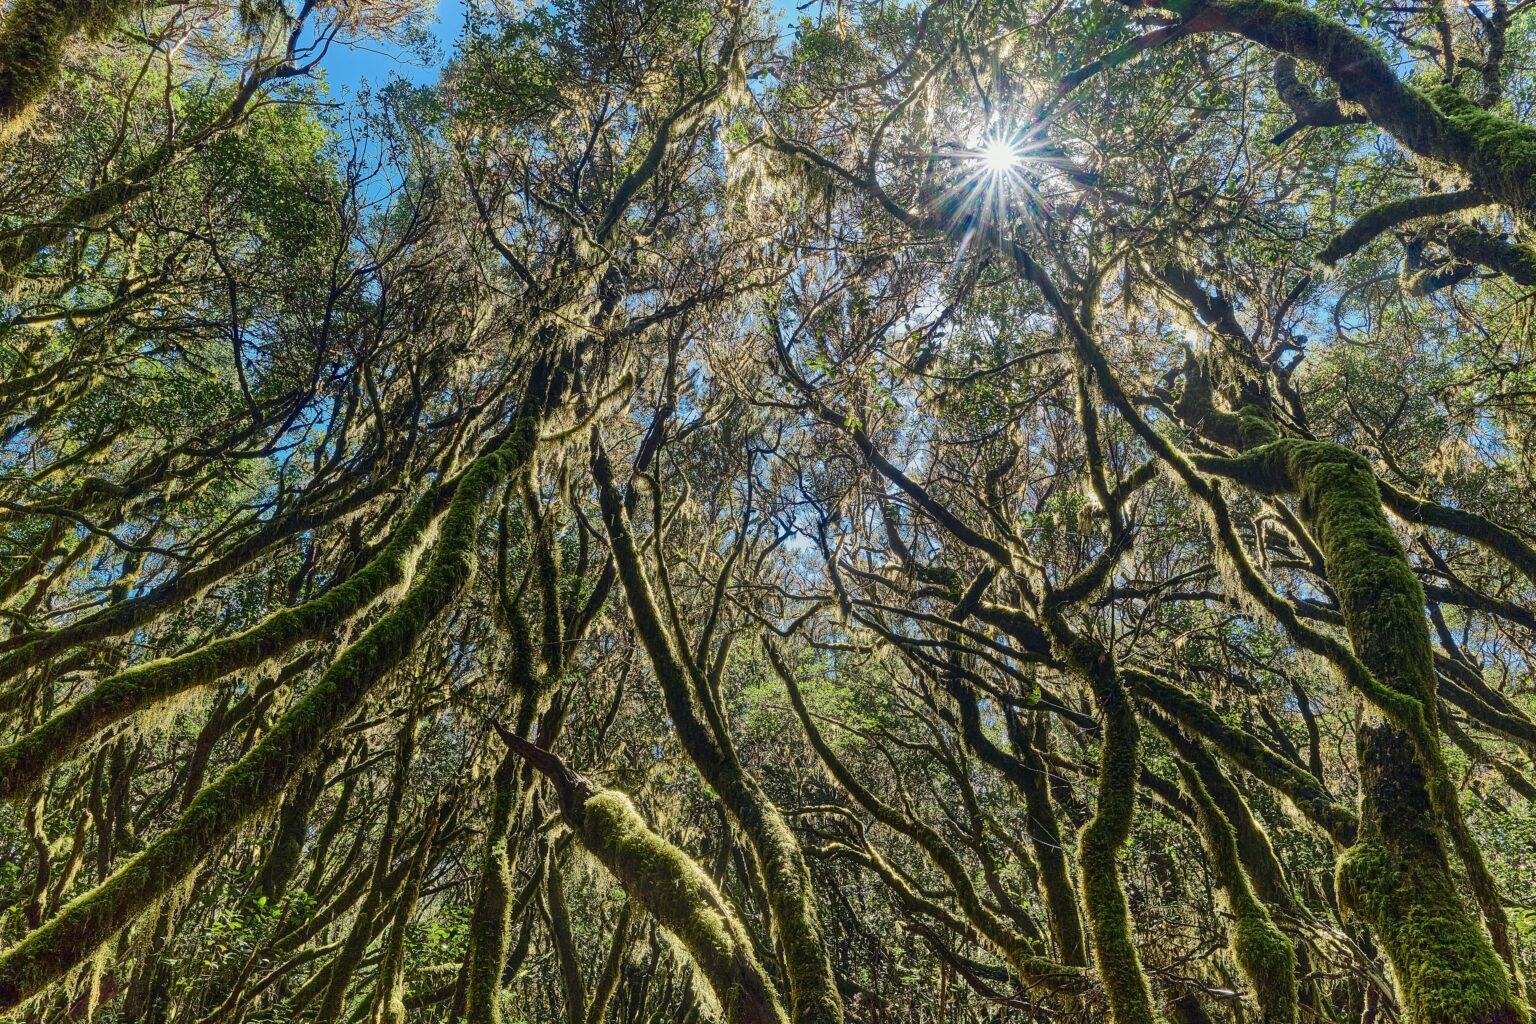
666, 882
1484, 531
1515, 261
29, 649
1027, 773
1263, 954
23, 762
1254, 851
608, 979
1383, 218
32, 41
1497, 152
378, 892
265, 771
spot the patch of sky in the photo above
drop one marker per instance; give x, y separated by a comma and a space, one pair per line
355, 62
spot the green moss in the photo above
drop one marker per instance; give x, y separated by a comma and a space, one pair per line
1401, 878
1293, 27
1254, 427
1262, 953
1379, 595
1500, 151
607, 982
32, 41
1249, 427
282, 860
677, 892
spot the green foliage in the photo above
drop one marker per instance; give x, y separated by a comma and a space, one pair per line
979, 359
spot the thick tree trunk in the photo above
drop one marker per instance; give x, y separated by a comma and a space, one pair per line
1399, 880
491, 919
1103, 840
1397, 877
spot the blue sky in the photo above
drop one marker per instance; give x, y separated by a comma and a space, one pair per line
349, 66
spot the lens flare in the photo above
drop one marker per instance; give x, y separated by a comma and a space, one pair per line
999, 156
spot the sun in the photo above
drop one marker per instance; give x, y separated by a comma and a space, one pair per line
990, 187
1000, 156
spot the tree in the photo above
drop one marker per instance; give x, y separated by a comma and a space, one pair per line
878, 513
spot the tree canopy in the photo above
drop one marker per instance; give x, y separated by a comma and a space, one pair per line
874, 511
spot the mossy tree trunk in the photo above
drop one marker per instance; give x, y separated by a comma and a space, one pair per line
491, 918
333, 1002
1399, 881
669, 884
608, 981
787, 880
1262, 953
1024, 769
1452, 963
388, 1005
1103, 840
572, 981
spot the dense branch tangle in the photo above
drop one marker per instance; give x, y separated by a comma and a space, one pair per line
951, 514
